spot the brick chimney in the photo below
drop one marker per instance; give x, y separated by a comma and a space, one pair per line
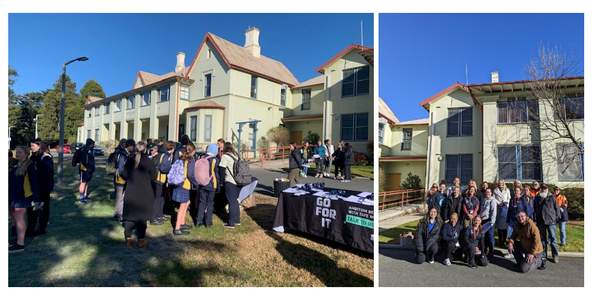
180, 66
252, 43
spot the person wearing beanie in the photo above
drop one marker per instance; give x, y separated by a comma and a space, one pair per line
206, 193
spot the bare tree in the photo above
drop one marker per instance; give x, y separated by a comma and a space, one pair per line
550, 72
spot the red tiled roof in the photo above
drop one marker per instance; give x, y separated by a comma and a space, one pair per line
442, 93
239, 58
344, 52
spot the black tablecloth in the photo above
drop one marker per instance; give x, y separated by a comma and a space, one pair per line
341, 221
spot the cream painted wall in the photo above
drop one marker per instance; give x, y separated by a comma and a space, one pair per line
217, 126
441, 145
317, 96
524, 134
419, 140
213, 65
403, 168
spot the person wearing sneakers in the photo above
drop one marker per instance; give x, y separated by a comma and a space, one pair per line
23, 190
294, 164
207, 178
547, 214
428, 236
525, 244
121, 156
338, 161
451, 232
320, 157
162, 165
87, 166
474, 243
328, 158
181, 191
138, 203
348, 161
232, 191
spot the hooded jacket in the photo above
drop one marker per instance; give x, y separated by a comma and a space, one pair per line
425, 238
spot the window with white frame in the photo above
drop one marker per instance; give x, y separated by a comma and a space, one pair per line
185, 93
459, 165
460, 122
193, 128
406, 139
165, 93
515, 110
97, 111
207, 85
519, 162
381, 132
282, 96
305, 99
207, 128
118, 104
107, 108
253, 86
355, 82
569, 162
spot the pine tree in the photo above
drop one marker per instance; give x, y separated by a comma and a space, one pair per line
48, 124
92, 88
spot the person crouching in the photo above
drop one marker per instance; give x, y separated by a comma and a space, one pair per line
428, 236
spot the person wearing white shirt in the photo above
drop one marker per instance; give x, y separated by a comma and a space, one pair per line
502, 197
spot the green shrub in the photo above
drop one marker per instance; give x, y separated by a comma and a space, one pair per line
411, 182
312, 137
575, 198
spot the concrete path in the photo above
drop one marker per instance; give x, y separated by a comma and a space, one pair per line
274, 169
389, 223
397, 268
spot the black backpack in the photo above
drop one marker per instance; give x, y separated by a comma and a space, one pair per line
76, 157
241, 171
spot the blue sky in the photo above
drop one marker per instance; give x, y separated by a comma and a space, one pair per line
119, 45
421, 54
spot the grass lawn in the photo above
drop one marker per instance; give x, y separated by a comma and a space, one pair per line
85, 247
574, 235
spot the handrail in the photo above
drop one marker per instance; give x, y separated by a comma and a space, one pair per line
400, 197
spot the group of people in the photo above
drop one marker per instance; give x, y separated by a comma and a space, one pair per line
325, 157
153, 181
461, 223
30, 182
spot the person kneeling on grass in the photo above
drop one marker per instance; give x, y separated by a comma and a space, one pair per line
138, 202
428, 236
473, 243
450, 239
525, 244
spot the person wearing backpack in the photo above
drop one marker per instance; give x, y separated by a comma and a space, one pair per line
87, 166
207, 178
122, 154
162, 165
181, 176
138, 202
232, 191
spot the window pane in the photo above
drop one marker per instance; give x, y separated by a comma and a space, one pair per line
348, 83
452, 166
502, 107
362, 133
253, 86
466, 167
347, 123
193, 127
362, 126
207, 128
467, 122
362, 80
507, 170
362, 119
305, 99
531, 171
533, 110
574, 108
530, 154
283, 97
507, 154
569, 163
453, 122
207, 85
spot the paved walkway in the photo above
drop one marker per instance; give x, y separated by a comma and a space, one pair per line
389, 223
397, 268
277, 168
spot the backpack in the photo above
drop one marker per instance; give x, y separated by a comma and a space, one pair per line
202, 171
176, 174
241, 171
76, 157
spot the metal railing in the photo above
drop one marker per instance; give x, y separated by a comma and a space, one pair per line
388, 199
272, 153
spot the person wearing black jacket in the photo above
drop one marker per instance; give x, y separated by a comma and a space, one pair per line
547, 214
23, 190
138, 204
162, 165
295, 163
338, 161
428, 236
452, 204
38, 219
348, 161
451, 233
87, 166
473, 243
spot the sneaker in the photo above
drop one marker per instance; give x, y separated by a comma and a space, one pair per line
230, 226
180, 232
185, 227
157, 222
473, 266
14, 248
447, 262
431, 261
83, 201
542, 266
555, 259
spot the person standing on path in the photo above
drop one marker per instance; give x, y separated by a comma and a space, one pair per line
502, 198
488, 214
348, 161
547, 215
138, 203
232, 191
562, 203
294, 165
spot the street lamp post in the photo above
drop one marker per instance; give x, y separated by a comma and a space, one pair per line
61, 122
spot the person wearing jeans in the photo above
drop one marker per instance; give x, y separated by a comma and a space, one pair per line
561, 202
547, 215
487, 213
206, 193
525, 244
232, 191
